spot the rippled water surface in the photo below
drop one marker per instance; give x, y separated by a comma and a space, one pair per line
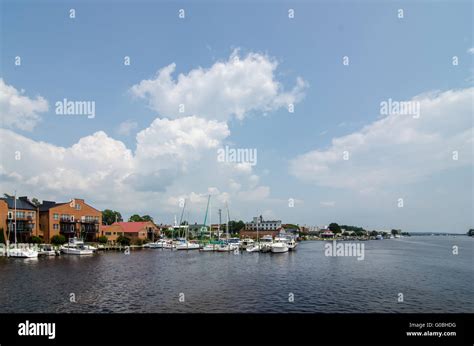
423, 269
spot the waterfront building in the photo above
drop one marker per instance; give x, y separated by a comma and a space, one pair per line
146, 230
71, 219
27, 219
262, 225
253, 234
112, 232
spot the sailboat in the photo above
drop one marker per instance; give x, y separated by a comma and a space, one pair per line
185, 244
16, 251
227, 245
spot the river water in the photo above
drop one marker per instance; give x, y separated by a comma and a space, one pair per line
422, 269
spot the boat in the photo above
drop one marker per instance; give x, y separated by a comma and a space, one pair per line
160, 244
47, 250
187, 245
169, 245
266, 243
246, 242
292, 244
280, 245
20, 252
76, 247
253, 248
379, 237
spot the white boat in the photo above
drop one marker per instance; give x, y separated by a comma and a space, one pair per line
19, 252
157, 244
253, 248
246, 242
186, 245
227, 247
169, 245
210, 247
47, 250
22, 253
266, 243
280, 245
292, 244
76, 247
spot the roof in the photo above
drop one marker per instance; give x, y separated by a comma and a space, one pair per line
46, 205
133, 227
21, 203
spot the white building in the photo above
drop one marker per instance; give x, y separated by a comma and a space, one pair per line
262, 225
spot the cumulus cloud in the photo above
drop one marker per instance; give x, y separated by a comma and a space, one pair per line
397, 149
19, 111
126, 127
228, 88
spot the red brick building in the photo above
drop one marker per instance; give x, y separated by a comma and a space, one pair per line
71, 219
26, 220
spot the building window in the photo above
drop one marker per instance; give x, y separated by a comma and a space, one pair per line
55, 216
107, 233
55, 226
78, 206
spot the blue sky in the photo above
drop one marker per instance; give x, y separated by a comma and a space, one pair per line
82, 59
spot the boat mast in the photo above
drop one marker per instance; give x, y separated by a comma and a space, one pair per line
181, 218
219, 226
205, 216
228, 217
14, 218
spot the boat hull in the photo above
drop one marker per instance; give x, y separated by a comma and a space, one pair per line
279, 248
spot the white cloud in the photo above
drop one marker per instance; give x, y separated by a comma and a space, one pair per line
126, 127
397, 149
229, 88
19, 111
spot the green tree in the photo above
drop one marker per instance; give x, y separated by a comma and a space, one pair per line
334, 228
471, 232
374, 233
124, 241
235, 226
147, 218
36, 240
135, 218
102, 239
110, 216
58, 239
395, 231
36, 202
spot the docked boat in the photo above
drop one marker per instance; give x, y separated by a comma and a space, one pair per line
280, 245
76, 247
266, 243
22, 253
47, 250
253, 248
246, 242
160, 244
187, 245
292, 244
169, 245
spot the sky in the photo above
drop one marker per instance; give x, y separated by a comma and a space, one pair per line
304, 93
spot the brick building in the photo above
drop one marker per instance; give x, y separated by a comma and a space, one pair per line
133, 230
71, 219
27, 219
